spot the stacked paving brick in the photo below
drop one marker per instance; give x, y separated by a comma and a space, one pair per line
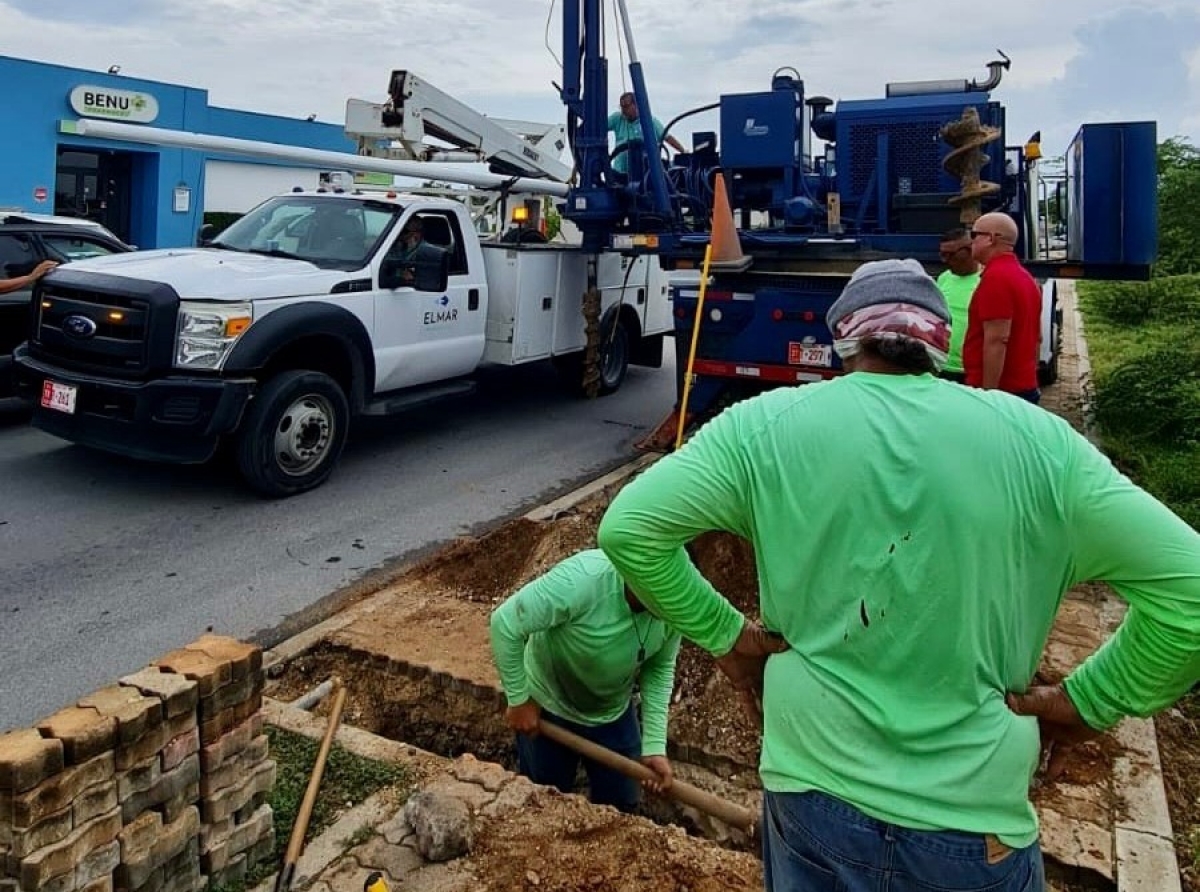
235, 772
155, 784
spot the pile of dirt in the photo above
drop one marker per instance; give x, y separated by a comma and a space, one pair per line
514, 554
564, 844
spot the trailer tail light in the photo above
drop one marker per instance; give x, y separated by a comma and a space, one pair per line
779, 315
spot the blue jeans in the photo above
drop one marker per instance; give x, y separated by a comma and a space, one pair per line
815, 843
545, 761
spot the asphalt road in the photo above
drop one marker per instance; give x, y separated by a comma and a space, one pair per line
107, 563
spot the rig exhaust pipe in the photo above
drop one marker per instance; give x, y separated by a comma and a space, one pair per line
996, 71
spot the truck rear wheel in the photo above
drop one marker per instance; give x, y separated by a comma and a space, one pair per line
1048, 369
614, 357
293, 434
613, 362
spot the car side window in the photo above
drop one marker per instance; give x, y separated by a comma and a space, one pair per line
17, 256
75, 247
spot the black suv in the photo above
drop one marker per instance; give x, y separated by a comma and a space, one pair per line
25, 241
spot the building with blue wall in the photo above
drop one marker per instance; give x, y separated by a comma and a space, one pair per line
151, 196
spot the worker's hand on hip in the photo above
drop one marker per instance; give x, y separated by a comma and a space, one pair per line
661, 766
523, 718
1059, 722
745, 663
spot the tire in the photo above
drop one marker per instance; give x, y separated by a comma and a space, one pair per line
1047, 372
614, 362
614, 357
293, 434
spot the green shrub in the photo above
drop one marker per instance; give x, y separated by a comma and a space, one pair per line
1123, 303
1174, 477
1171, 299
1154, 396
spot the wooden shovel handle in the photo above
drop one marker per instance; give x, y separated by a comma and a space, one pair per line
722, 809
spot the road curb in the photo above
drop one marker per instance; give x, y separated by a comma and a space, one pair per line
552, 510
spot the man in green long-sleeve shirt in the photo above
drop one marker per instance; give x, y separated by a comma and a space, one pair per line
569, 647
914, 539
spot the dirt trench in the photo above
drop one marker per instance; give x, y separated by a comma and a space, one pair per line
425, 677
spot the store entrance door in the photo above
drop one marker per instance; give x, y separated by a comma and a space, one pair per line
95, 185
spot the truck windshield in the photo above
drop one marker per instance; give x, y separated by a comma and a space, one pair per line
330, 232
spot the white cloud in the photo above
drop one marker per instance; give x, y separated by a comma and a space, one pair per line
1073, 60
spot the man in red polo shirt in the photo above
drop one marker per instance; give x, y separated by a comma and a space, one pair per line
1004, 321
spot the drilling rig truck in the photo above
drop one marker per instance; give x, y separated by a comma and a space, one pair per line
819, 187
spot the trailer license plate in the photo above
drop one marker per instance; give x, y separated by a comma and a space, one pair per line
810, 354
59, 397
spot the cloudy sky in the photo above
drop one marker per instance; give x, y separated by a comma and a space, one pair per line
1073, 60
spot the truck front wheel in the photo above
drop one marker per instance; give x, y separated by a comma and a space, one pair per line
293, 433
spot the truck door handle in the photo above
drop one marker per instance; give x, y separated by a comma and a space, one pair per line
473, 299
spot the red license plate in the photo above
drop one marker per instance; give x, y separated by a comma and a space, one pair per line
59, 397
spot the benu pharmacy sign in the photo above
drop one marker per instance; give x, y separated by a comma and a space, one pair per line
115, 105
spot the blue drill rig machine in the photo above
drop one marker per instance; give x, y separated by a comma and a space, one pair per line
891, 175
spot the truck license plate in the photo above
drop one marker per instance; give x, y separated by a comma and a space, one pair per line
810, 354
59, 397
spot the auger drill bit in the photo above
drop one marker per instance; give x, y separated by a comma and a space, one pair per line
967, 135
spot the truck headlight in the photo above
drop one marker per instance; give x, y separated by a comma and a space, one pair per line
207, 333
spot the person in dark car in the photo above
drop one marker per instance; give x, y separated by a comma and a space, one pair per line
18, 282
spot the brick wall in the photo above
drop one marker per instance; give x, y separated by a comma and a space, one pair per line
158, 783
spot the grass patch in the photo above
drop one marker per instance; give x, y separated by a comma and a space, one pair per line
348, 780
1145, 355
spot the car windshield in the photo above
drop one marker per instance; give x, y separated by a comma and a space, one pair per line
332, 233
76, 247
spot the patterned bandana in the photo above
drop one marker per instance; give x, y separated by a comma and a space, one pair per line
893, 322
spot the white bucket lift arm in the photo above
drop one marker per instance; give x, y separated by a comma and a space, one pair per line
416, 110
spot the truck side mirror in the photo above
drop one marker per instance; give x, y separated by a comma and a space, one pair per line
207, 231
423, 274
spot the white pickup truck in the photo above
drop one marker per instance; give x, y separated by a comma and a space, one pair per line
302, 315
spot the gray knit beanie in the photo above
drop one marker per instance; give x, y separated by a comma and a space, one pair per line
888, 281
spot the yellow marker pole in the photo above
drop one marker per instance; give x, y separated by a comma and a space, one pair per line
691, 360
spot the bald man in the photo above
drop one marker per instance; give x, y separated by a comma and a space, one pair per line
1000, 351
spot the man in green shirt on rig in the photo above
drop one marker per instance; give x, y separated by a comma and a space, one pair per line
569, 647
914, 539
627, 131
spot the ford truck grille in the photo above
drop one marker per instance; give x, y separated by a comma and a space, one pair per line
94, 330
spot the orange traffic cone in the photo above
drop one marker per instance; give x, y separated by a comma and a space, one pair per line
726, 246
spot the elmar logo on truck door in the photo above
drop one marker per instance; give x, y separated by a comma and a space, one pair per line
434, 317
114, 105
